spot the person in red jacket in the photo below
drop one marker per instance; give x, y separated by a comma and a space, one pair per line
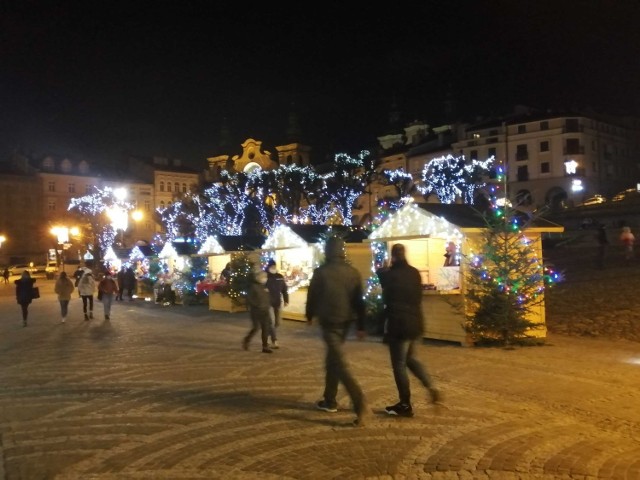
107, 291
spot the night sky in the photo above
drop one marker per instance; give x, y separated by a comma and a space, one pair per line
159, 77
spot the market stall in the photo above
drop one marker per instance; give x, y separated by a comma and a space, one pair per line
175, 263
221, 251
437, 237
299, 249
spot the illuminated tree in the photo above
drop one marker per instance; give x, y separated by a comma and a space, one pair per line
452, 177
346, 183
96, 212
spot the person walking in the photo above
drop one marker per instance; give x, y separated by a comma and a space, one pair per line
129, 283
86, 289
107, 291
259, 304
628, 239
77, 275
64, 287
335, 298
278, 293
603, 241
24, 294
6, 274
402, 295
120, 279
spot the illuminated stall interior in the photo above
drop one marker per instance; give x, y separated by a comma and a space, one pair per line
298, 249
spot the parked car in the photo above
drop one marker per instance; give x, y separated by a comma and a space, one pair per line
595, 200
18, 268
628, 194
51, 269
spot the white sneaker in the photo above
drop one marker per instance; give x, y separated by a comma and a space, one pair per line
64, 319
275, 345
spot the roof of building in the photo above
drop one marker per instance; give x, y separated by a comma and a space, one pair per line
240, 243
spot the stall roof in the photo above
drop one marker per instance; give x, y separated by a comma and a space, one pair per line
185, 248
444, 220
283, 237
316, 233
467, 216
241, 243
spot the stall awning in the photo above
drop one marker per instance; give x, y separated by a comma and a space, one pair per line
438, 220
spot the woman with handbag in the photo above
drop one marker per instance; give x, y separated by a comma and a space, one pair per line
24, 294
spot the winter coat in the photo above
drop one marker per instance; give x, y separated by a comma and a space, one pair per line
78, 274
402, 295
24, 290
277, 289
64, 288
87, 285
335, 293
258, 300
108, 286
129, 280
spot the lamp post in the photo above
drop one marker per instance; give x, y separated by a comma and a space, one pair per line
62, 236
2, 240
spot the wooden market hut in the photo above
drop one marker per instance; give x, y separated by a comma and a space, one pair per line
299, 248
221, 251
427, 230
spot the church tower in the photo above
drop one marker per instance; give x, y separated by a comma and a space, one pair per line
294, 152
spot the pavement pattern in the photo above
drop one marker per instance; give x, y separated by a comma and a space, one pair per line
168, 393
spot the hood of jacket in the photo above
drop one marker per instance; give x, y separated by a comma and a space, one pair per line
334, 248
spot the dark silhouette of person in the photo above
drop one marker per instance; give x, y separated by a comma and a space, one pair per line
120, 279
404, 327
603, 242
335, 298
259, 305
24, 294
278, 293
129, 283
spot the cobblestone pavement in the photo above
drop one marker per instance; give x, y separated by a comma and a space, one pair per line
168, 393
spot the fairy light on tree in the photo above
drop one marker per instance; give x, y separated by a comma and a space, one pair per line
505, 277
102, 213
450, 177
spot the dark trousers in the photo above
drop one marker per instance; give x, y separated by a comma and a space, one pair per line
120, 291
259, 320
87, 299
402, 358
64, 307
25, 310
275, 323
337, 369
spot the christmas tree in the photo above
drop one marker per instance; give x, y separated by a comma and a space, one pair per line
505, 279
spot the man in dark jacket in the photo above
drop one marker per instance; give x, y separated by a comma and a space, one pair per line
402, 294
278, 293
259, 304
335, 298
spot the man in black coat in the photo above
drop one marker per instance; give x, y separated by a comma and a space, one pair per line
278, 293
335, 298
402, 295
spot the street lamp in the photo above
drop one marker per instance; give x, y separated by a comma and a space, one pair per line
2, 240
62, 235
